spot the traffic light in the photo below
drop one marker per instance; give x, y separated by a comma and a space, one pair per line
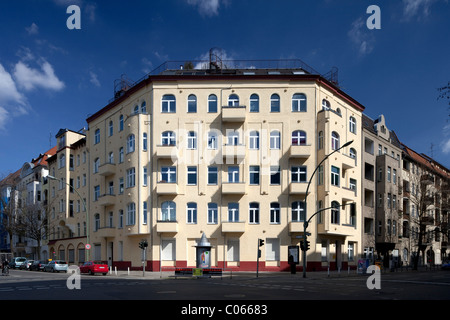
261, 242
302, 246
306, 244
143, 244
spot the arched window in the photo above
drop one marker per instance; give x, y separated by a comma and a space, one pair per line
275, 103
335, 212
254, 140
168, 211
168, 104
131, 214
120, 123
168, 138
212, 103
352, 124
275, 139
352, 153
233, 100
136, 109
326, 105
320, 140
254, 103
192, 103
254, 213
299, 102
299, 138
144, 107
334, 140
191, 214
298, 211
130, 143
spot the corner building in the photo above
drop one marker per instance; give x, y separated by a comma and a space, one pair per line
227, 153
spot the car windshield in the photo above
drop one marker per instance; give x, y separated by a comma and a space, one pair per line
98, 262
20, 259
60, 262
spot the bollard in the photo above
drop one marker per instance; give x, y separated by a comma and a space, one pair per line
128, 270
115, 270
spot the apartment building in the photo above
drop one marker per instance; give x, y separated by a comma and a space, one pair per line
426, 208
382, 192
67, 185
227, 153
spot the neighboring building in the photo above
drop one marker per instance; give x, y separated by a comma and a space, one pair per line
425, 209
68, 191
8, 201
382, 171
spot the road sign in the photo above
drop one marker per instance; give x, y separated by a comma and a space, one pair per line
87, 246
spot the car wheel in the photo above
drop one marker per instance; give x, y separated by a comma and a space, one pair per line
104, 274
91, 273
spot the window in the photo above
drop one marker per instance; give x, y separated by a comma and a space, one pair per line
325, 105
191, 175
320, 175
111, 157
97, 136
168, 211
298, 174
96, 165
254, 103
144, 107
169, 174
131, 178
212, 140
233, 174
192, 103
335, 211
335, 176
334, 140
144, 176
130, 143
111, 128
254, 140
233, 100
96, 222
298, 211
62, 161
131, 214
352, 124
233, 212
144, 141
168, 138
212, 213
168, 104
121, 123
191, 214
254, 175
320, 140
233, 250
144, 212
136, 109
299, 138
275, 103
299, 102
389, 174
212, 175
254, 213
351, 251
121, 155
232, 137
192, 140
275, 175
275, 140
212, 103
121, 186
352, 153
275, 213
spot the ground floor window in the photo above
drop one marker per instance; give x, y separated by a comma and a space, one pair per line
233, 250
168, 250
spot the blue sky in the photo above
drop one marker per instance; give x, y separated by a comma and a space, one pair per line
52, 77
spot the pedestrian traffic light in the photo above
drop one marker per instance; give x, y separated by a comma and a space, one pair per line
261, 242
306, 244
302, 247
143, 244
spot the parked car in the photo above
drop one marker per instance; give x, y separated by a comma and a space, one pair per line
446, 265
37, 265
17, 262
26, 265
93, 267
56, 265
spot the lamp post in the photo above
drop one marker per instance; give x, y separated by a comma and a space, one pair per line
306, 222
85, 207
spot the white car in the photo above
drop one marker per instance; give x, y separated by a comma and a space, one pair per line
56, 265
18, 262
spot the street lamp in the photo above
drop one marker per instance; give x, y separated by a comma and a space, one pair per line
306, 222
85, 207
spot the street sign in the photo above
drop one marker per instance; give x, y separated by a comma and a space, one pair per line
87, 246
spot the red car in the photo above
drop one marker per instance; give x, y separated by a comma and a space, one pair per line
93, 267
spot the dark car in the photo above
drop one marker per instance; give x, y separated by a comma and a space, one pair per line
37, 265
446, 265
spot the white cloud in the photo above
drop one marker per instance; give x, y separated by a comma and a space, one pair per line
413, 8
94, 79
8, 88
33, 29
29, 78
3, 117
359, 35
206, 7
446, 143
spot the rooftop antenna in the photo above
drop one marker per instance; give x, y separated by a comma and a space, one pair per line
214, 59
121, 85
431, 150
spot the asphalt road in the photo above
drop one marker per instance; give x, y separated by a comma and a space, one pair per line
274, 290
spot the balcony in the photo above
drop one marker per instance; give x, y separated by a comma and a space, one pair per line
300, 151
107, 169
298, 187
167, 152
233, 151
233, 188
427, 220
169, 226
106, 232
348, 194
296, 226
233, 114
106, 200
164, 188
348, 162
228, 226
